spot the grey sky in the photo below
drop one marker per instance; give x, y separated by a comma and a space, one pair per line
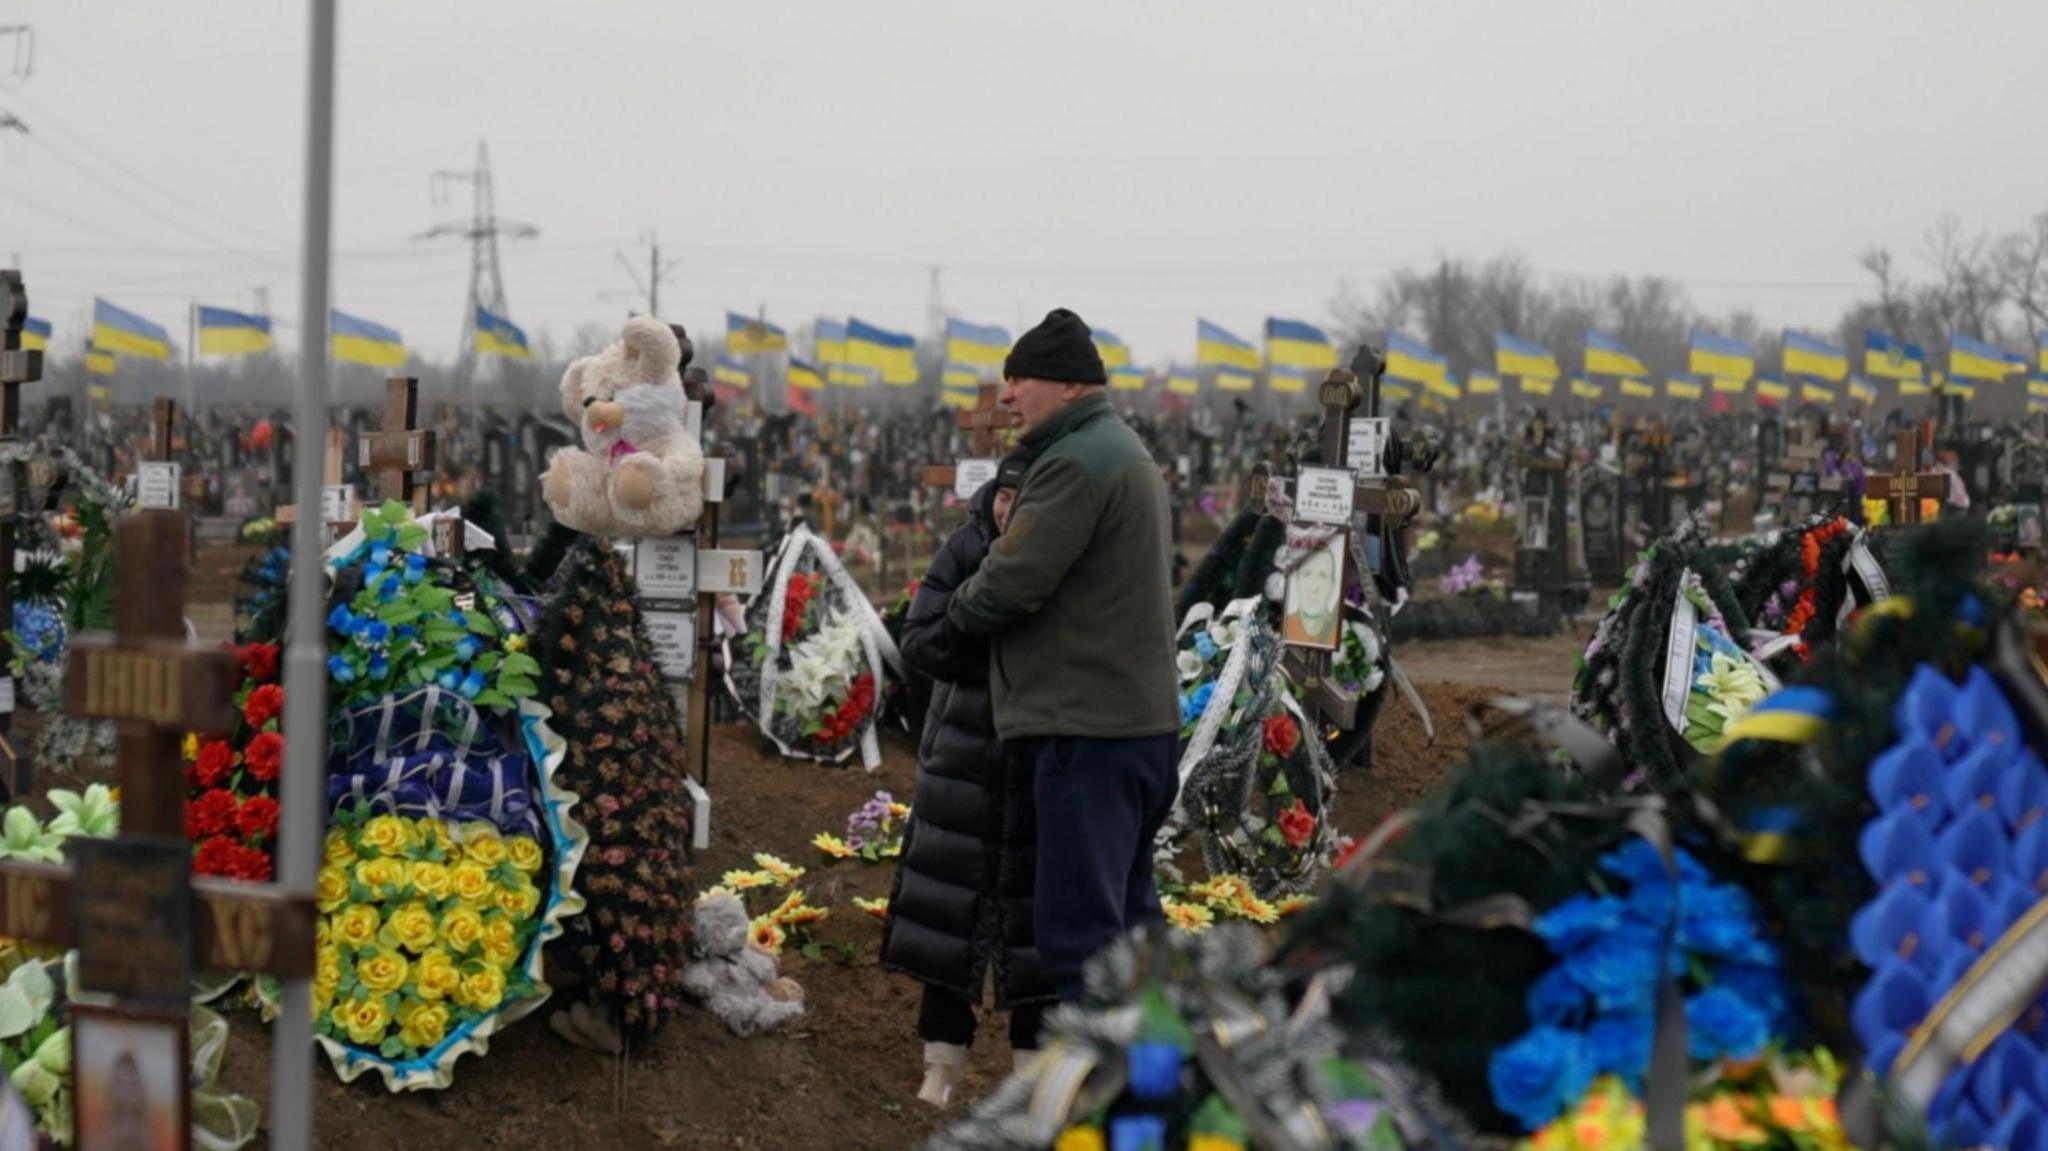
1141, 162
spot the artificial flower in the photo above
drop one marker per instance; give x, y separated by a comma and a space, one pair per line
387, 835
1297, 825
746, 880
1537, 1076
879, 908
428, 878
266, 703
436, 974
413, 926
480, 842
264, 756
383, 972
462, 929
525, 853
1250, 906
782, 873
482, 989
766, 936
422, 1024
1187, 916
470, 881
363, 1020
1281, 735
1288, 905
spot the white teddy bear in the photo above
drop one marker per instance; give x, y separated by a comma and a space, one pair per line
736, 980
639, 472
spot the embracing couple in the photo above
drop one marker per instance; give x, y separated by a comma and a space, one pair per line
1048, 759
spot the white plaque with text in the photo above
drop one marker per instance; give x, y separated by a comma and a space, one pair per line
157, 485
666, 566
969, 475
1323, 496
674, 636
1368, 444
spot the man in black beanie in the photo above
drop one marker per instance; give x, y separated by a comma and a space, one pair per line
1077, 596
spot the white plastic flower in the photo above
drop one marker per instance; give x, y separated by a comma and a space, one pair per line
94, 814
1732, 684
21, 837
1190, 665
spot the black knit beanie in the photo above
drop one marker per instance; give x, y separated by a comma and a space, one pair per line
1010, 473
1060, 349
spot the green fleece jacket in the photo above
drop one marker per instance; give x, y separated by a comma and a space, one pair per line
1077, 593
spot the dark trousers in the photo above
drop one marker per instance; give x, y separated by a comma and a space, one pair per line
946, 1017
1100, 805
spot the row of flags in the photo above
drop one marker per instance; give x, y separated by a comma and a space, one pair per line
117, 332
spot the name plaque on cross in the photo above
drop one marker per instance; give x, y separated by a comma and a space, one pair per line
674, 637
666, 566
1367, 443
157, 484
1323, 496
970, 474
336, 502
131, 916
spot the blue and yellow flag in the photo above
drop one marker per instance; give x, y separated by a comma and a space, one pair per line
851, 376
1480, 385
1214, 345
122, 331
1813, 393
1587, 390
893, 355
1721, 357
226, 333
1128, 379
1396, 390
1414, 360
959, 398
1515, 356
1957, 386
2037, 386
1606, 356
1287, 381
976, 343
733, 374
1233, 380
801, 375
1293, 344
1770, 390
1683, 388
1727, 387
1638, 389
1887, 359
1444, 389
745, 336
1531, 386
498, 336
1970, 358
1111, 347
961, 375
98, 363
35, 335
2015, 364
1806, 356
1182, 383
830, 338
358, 341
1861, 392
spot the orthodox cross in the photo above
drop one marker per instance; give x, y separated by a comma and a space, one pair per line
18, 366
1904, 487
984, 424
128, 904
399, 448
339, 506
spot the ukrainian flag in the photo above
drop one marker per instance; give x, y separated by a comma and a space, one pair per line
1181, 383
1806, 356
975, 343
1638, 389
1682, 388
1215, 346
1860, 391
1973, 359
358, 341
1293, 344
733, 374
1916, 387
1770, 390
1531, 386
958, 398
1396, 390
119, 330
1232, 380
1889, 359
2037, 386
1128, 379
745, 336
498, 336
1813, 393
1721, 357
2015, 364
35, 335
225, 333
1587, 390
1111, 348
849, 376
1444, 389
830, 339
893, 355
801, 375
1287, 381
98, 363
1482, 386
1956, 387
1726, 387
1413, 360
1514, 356
1606, 356
960, 375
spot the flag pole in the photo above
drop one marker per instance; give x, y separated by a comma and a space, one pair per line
191, 349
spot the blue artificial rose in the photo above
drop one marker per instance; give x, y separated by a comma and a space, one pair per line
387, 591
1154, 1070
415, 567
341, 620
1654, 903
380, 554
458, 619
1577, 921
376, 633
471, 684
339, 670
1204, 646
1719, 1023
1556, 999
380, 666
466, 648
447, 680
1538, 1076
1718, 920
1761, 987
1638, 862
1620, 1045
1619, 969
1137, 1133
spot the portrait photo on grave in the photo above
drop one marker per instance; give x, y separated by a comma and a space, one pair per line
1535, 522
129, 1079
1315, 591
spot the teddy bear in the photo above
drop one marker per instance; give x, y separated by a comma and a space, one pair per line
639, 471
735, 979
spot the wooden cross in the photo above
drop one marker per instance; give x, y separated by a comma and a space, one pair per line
1906, 486
400, 447
1798, 482
128, 904
331, 458
984, 424
18, 366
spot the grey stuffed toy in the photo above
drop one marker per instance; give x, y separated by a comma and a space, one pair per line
736, 980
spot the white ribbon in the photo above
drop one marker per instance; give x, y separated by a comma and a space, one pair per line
1226, 680
876, 645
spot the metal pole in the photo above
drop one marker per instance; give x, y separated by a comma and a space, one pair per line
291, 1074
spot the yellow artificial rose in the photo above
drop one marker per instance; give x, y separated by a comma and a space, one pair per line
364, 1021
462, 929
323, 1001
482, 844
430, 879
387, 835
327, 969
470, 880
436, 974
525, 853
377, 874
482, 990
519, 900
321, 933
413, 927
339, 851
383, 972
421, 1025
433, 835
356, 925
331, 889
501, 942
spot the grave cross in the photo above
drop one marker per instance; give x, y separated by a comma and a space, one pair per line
399, 448
1797, 481
18, 366
128, 904
984, 424
339, 504
1907, 485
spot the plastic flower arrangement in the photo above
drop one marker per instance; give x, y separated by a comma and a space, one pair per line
1593, 1013
231, 784
1199, 906
1726, 683
1779, 1104
874, 832
1361, 658
94, 813
785, 923
1465, 577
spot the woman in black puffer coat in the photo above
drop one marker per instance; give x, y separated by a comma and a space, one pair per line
962, 901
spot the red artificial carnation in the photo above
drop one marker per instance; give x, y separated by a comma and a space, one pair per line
217, 856
264, 705
259, 661
263, 756
1281, 734
1297, 825
257, 818
213, 813
216, 760
252, 864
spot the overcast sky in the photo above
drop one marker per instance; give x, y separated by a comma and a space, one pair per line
1142, 163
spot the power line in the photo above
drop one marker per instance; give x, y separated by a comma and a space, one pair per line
149, 209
